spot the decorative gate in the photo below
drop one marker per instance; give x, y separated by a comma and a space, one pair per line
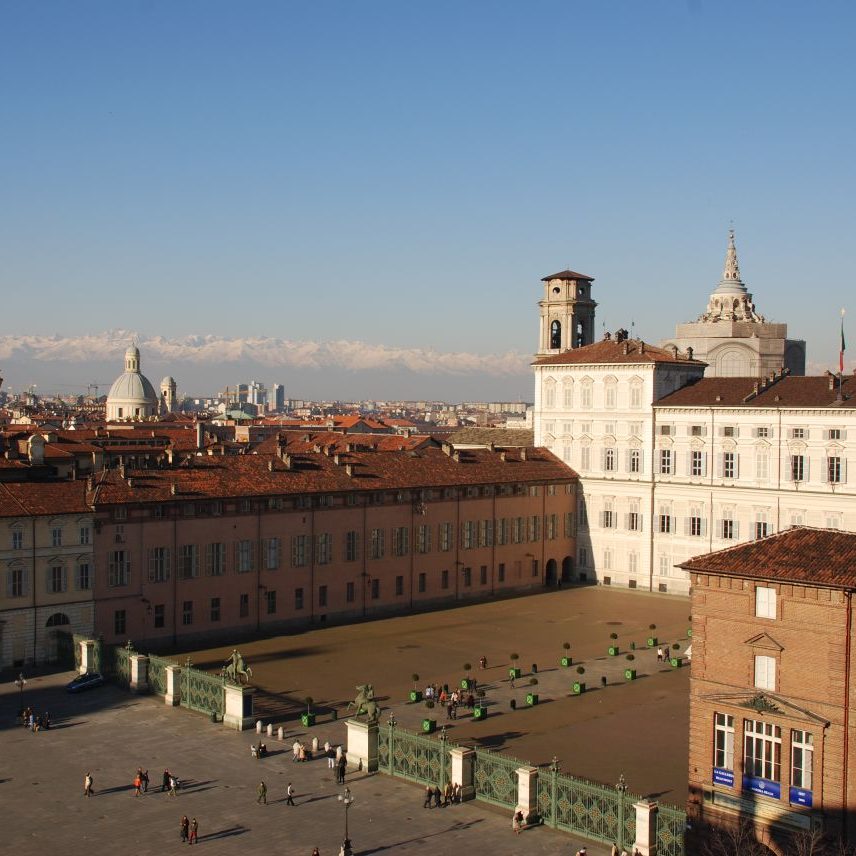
415, 757
157, 674
121, 665
495, 778
202, 692
671, 826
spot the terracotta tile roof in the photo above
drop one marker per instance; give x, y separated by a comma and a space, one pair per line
611, 351
567, 274
19, 499
800, 554
501, 437
789, 391
212, 477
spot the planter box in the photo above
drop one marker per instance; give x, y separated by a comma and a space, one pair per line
415, 695
630, 674
613, 650
652, 642
466, 683
578, 688
429, 726
514, 672
689, 633
479, 713
676, 662
567, 661
531, 699
308, 719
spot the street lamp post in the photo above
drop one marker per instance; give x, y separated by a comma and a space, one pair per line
347, 800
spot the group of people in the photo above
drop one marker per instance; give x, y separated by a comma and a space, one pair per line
299, 752
35, 721
455, 699
436, 798
189, 830
258, 750
141, 782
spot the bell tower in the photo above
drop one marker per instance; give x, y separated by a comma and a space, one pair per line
567, 312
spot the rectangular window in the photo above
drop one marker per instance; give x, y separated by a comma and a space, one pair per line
399, 586
468, 535
324, 548
85, 535
444, 580
762, 527
119, 568
15, 582
502, 531
377, 546
729, 528
797, 468
723, 750
215, 559
298, 598
485, 533
421, 583
120, 621
188, 561
834, 434
187, 613
401, 541
762, 464
244, 556
634, 521
483, 575
243, 606
56, 579
445, 537
467, 577
551, 526
350, 592
500, 572
322, 596
696, 524
666, 462
423, 539
729, 466
352, 546
833, 470
84, 576
535, 567
159, 562
214, 609
762, 431
299, 545
607, 517
272, 552
765, 672
375, 589
535, 527
160, 615
762, 752
665, 520
585, 458
635, 461
583, 557
609, 465
633, 562
270, 602
798, 433
696, 464
56, 536
802, 756
17, 539
765, 602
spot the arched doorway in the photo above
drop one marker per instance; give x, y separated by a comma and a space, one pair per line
59, 647
550, 573
567, 569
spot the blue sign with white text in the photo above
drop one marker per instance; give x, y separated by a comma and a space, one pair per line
800, 797
723, 777
762, 787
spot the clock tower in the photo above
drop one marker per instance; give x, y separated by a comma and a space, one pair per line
567, 312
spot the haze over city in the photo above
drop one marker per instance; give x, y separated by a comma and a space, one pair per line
360, 200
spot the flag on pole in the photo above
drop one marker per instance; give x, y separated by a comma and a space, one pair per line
841, 352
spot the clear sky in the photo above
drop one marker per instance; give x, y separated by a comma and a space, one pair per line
404, 173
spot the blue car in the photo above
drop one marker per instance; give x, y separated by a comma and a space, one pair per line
86, 681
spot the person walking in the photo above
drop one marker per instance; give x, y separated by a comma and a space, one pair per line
194, 832
613, 851
437, 796
138, 783
340, 769
165, 782
330, 752
145, 777
262, 793
316, 851
289, 794
173, 786
87, 785
185, 827
429, 794
515, 822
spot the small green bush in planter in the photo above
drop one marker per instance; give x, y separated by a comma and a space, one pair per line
579, 687
676, 646
429, 703
613, 636
676, 662
308, 718
613, 650
581, 670
514, 672
480, 712
415, 695
531, 699
533, 682
630, 657
630, 674
566, 660
429, 726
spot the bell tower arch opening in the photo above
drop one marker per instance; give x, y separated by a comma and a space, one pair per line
567, 312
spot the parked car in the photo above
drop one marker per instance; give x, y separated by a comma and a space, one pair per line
86, 681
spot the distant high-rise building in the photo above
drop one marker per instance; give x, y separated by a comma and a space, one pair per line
256, 393
278, 397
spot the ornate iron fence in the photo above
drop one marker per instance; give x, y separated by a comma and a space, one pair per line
120, 667
98, 656
202, 692
415, 757
671, 827
495, 778
157, 674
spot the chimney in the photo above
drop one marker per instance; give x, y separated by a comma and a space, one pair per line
625, 347
286, 459
130, 482
675, 351
337, 459
270, 466
90, 483
349, 469
689, 353
173, 489
831, 382
502, 457
169, 456
456, 457
523, 454
641, 347
447, 448
492, 447
200, 435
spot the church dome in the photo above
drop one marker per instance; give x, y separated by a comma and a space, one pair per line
132, 396
132, 386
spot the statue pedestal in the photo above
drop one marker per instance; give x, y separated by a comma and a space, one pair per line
238, 707
362, 744
87, 656
139, 673
173, 686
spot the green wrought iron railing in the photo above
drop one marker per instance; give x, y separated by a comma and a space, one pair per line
120, 667
495, 778
202, 692
157, 674
415, 757
671, 829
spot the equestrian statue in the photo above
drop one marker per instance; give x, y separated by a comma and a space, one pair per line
236, 670
365, 703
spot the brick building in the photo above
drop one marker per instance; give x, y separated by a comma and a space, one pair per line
771, 694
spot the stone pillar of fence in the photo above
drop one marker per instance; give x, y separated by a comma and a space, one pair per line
239, 707
173, 685
139, 681
527, 791
87, 656
362, 743
646, 828
463, 766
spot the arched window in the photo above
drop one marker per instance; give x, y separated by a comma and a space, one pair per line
609, 460
58, 619
556, 335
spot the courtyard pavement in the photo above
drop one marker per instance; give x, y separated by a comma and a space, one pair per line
109, 733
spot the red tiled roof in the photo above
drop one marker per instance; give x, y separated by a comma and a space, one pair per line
790, 391
610, 351
800, 554
567, 274
19, 499
212, 477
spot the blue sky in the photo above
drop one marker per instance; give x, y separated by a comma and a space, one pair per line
403, 174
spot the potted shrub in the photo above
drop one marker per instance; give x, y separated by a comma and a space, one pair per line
579, 685
415, 694
652, 639
613, 649
690, 629
514, 672
308, 718
480, 712
429, 726
467, 682
566, 660
429, 703
676, 661
531, 699
630, 673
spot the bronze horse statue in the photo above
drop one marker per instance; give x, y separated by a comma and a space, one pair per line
235, 670
365, 703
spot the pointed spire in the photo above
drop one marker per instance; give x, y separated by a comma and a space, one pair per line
731, 273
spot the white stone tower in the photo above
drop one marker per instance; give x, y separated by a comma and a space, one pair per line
168, 391
567, 312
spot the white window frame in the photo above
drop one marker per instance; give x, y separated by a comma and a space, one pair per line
765, 602
765, 672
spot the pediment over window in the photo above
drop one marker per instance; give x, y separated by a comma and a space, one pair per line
765, 641
766, 702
